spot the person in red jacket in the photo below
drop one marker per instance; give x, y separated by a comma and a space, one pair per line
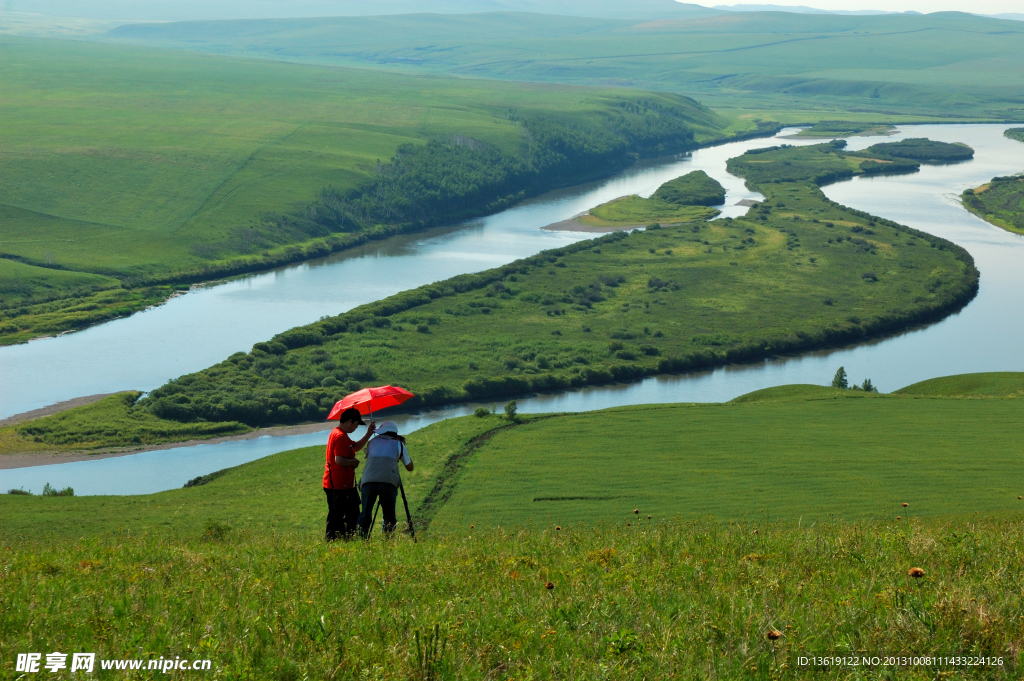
339, 475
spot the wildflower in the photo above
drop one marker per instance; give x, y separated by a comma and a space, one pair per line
628, 524
1018, 496
915, 572
648, 517
905, 504
774, 634
558, 527
899, 518
636, 511
549, 586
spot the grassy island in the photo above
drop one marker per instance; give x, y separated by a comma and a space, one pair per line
685, 199
999, 201
733, 537
923, 150
798, 272
1015, 134
131, 172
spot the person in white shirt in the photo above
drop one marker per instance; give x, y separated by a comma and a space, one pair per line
381, 478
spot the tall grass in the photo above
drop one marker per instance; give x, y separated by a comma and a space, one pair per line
648, 600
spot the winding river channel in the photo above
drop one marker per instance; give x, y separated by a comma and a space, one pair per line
206, 325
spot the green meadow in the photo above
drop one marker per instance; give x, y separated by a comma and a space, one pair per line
766, 529
784, 453
781, 66
128, 170
798, 272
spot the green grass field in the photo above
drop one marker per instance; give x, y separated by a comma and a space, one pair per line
126, 167
798, 272
783, 66
815, 453
780, 511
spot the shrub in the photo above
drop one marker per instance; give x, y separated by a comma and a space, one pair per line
49, 491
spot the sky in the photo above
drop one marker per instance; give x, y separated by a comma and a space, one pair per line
923, 6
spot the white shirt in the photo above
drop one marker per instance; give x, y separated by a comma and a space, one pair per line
389, 448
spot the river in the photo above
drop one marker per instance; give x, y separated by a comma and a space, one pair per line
198, 329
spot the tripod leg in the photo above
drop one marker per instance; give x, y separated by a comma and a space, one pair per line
373, 522
408, 516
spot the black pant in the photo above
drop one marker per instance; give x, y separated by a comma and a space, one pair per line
342, 512
387, 493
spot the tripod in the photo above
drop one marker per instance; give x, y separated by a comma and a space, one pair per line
408, 515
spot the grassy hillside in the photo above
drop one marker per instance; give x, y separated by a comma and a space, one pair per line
129, 169
795, 67
798, 272
737, 562
816, 453
997, 384
1000, 202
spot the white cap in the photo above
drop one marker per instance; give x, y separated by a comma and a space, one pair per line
387, 427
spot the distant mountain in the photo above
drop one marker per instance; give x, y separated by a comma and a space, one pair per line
801, 9
199, 10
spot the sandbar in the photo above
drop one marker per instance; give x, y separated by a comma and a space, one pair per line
29, 459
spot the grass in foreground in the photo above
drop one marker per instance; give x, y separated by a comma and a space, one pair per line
654, 600
235, 571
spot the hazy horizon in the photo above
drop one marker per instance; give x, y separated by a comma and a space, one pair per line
183, 10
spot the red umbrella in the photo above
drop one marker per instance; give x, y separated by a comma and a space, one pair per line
368, 400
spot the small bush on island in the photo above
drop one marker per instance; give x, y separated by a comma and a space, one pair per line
693, 189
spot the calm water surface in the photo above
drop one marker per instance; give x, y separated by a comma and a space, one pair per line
205, 326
